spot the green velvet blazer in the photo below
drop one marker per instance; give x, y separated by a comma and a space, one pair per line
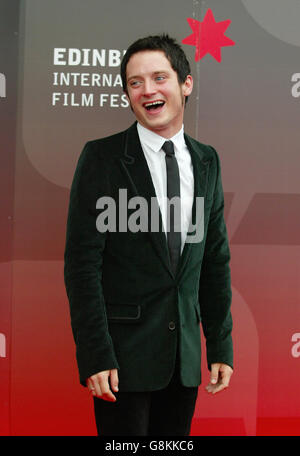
128, 311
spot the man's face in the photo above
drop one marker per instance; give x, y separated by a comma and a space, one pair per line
155, 95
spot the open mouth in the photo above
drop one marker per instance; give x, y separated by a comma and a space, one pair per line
153, 105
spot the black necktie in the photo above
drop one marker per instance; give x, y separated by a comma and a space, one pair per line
174, 215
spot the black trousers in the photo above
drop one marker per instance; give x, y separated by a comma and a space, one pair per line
168, 411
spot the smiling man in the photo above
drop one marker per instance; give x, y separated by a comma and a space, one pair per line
156, 96
137, 297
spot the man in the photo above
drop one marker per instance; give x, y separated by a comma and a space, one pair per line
137, 296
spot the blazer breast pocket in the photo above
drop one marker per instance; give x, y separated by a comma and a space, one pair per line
123, 313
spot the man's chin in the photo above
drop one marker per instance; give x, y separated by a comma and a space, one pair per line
154, 125
155, 121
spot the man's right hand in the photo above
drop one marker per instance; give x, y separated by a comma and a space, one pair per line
98, 384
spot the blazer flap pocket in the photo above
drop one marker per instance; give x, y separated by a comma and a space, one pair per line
123, 312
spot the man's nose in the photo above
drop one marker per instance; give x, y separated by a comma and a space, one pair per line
149, 87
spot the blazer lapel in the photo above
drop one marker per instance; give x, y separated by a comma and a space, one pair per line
201, 172
134, 164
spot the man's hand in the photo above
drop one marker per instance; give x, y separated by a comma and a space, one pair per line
219, 377
98, 384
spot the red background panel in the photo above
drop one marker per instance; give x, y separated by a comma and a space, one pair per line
245, 108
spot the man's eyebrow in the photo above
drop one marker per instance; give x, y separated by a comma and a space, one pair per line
160, 71
154, 72
132, 77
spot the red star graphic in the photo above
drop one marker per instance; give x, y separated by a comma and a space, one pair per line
208, 36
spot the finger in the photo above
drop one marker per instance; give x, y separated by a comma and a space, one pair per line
91, 387
225, 373
213, 389
214, 375
106, 393
108, 396
222, 384
225, 380
97, 389
114, 379
95, 381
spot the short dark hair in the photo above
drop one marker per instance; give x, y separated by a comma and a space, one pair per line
164, 43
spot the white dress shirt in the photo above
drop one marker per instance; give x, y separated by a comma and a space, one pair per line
155, 156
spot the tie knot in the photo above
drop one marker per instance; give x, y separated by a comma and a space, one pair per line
168, 148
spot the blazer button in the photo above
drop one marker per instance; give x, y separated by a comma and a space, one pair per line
171, 325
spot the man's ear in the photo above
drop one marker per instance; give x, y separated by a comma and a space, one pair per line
187, 86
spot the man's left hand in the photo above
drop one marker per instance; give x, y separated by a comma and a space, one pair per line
219, 377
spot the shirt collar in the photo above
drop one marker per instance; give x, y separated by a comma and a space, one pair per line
155, 141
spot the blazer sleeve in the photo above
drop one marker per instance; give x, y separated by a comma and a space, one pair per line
83, 257
215, 282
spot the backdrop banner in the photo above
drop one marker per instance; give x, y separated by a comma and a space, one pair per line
60, 87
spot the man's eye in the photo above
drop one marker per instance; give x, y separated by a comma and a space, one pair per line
134, 83
160, 78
